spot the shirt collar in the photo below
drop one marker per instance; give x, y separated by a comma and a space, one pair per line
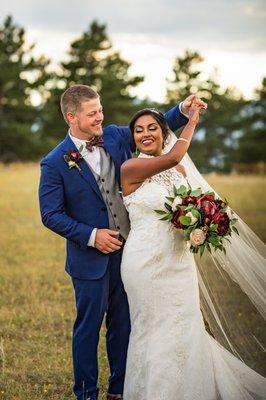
78, 142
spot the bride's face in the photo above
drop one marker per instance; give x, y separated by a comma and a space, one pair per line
148, 135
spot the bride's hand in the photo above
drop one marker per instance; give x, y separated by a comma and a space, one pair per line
194, 112
192, 99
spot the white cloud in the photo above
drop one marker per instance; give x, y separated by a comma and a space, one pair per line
229, 33
217, 23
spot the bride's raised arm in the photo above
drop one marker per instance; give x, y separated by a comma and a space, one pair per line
136, 170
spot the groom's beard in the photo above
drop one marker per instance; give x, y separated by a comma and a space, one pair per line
95, 130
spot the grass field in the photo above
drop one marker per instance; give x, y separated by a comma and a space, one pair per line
36, 298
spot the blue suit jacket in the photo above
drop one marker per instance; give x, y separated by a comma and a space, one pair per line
71, 203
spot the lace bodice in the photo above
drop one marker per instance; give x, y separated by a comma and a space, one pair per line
153, 190
145, 222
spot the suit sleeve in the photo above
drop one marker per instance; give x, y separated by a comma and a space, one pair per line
127, 139
175, 118
52, 207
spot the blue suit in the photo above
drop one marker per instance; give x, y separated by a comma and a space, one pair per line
72, 205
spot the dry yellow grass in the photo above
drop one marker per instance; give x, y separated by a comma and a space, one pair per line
246, 195
36, 299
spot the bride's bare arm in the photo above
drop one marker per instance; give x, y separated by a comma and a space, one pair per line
136, 170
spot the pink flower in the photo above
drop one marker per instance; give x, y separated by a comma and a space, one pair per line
197, 237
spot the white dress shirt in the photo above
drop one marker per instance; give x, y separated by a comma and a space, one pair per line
93, 159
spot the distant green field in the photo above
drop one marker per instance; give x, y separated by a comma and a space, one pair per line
36, 298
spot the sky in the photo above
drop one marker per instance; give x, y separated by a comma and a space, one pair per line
229, 34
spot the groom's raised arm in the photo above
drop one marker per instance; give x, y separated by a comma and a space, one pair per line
52, 207
175, 117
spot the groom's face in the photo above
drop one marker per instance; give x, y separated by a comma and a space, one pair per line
89, 117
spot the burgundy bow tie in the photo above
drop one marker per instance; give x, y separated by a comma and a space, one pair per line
95, 141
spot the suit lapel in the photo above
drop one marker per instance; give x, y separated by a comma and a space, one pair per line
84, 171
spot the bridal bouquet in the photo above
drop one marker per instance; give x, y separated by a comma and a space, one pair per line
205, 220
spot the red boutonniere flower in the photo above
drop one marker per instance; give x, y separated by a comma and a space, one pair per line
72, 158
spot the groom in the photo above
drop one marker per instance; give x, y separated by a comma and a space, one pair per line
80, 200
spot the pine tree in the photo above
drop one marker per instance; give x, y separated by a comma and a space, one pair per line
21, 74
93, 62
252, 143
186, 78
214, 138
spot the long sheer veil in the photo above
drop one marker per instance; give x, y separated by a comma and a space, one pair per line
232, 286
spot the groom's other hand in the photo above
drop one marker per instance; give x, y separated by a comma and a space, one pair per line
106, 240
186, 104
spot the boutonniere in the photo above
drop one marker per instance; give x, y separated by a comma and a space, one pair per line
73, 157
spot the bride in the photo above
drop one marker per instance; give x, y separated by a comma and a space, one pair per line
171, 356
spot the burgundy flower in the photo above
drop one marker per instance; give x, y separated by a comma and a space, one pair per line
175, 220
209, 208
74, 155
222, 220
205, 197
189, 200
220, 203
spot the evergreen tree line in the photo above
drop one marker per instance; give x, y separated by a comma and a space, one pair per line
231, 130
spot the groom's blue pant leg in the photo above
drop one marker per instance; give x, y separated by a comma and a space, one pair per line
118, 330
93, 299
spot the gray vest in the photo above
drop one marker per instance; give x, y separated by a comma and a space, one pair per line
117, 214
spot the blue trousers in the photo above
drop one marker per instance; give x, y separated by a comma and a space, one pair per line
94, 299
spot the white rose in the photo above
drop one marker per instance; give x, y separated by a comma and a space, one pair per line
197, 237
177, 201
191, 216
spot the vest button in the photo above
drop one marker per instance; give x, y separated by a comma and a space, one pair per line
102, 179
110, 204
114, 215
107, 191
118, 227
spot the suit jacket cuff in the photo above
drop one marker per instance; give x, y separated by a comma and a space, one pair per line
180, 109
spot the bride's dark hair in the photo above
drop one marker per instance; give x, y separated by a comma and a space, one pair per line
157, 115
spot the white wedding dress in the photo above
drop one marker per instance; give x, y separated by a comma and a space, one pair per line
170, 354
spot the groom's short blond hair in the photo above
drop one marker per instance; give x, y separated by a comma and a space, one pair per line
72, 98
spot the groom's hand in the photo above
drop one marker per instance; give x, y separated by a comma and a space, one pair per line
106, 241
192, 99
